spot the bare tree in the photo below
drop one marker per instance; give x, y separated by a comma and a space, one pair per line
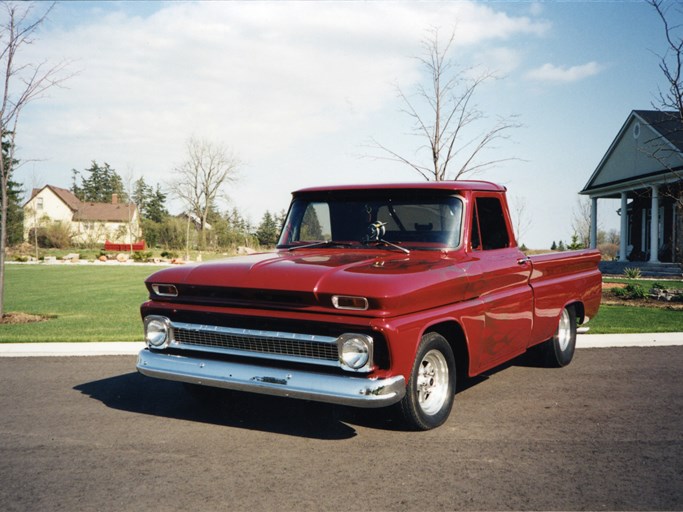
581, 221
444, 115
22, 82
671, 100
202, 176
671, 61
520, 217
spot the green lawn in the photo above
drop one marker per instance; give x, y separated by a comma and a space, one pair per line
101, 303
89, 303
629, 319
614, 319
647, 283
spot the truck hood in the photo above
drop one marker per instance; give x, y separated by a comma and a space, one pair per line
391, 281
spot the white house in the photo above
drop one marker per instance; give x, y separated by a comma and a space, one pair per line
643, 167
89, 223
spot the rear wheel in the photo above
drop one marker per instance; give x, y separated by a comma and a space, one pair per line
431, 389
558, 351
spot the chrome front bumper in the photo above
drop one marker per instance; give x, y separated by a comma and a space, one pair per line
319, 387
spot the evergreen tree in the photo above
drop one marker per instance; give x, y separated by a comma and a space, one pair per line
268, 231
155, 209
15, 213
151, 203
575, 245
561, 247
141, 195
554, 246
310, 226
100, 185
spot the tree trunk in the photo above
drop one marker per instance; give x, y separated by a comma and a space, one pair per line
3, 245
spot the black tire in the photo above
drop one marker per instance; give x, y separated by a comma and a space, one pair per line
558, 351
431, 389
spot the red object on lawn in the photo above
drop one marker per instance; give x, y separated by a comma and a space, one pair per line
111, 246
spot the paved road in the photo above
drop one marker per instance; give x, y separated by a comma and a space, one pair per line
604, 433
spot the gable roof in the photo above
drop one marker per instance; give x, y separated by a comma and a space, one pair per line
105, 212
67, 197
668, 125
632, 159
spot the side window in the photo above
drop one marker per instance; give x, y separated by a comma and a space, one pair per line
492, 228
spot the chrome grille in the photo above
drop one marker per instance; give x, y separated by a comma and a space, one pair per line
256, 343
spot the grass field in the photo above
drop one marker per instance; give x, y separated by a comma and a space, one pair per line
630, 319
101, 303
88, 303
647, 283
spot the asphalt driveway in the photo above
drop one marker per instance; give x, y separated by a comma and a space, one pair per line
89, 433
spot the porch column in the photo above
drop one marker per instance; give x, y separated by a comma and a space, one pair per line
623, 231
654, 226
594, 223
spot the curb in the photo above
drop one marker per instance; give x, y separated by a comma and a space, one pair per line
110, 348
126, 348
660, 339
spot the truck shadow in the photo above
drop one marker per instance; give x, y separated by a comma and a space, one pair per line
133, 392
136, 393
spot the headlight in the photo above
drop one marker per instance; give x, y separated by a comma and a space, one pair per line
355, 352
157, 331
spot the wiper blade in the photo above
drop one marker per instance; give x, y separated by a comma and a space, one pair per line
324, 243
389, 244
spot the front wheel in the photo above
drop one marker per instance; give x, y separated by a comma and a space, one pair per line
558, 351
431, 389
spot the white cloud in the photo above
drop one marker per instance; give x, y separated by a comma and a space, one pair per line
501, 60
558, 74
267, 79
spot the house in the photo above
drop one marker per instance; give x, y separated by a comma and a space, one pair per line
643, 168
89, 223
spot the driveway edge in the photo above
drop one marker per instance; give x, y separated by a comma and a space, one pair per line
125, 348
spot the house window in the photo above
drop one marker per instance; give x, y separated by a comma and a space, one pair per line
39, 203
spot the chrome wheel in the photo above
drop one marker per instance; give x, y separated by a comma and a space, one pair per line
564, 331
431, 388
558, 351
432, 382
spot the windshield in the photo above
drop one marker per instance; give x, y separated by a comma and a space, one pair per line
411, 222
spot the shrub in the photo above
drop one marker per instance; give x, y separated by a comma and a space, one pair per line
632, 272
142, 255
57, 235
630, 291
608, 251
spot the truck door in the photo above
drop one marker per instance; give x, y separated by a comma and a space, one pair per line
502, 283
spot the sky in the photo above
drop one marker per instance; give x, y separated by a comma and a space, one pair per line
297, 91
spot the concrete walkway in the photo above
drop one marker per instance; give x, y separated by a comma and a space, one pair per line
131, 348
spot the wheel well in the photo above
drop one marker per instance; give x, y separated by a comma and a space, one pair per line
455, 336
580, 311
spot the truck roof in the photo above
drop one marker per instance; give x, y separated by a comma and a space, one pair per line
424, 185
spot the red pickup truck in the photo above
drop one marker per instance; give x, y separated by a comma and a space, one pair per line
377, 295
